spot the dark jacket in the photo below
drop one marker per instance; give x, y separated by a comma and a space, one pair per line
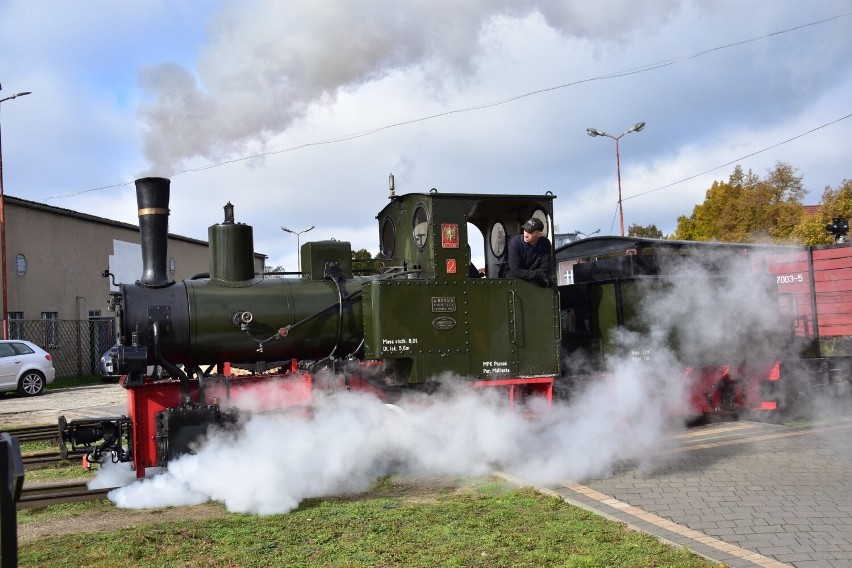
530, 262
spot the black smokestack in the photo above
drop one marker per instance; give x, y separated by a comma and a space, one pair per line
152, 197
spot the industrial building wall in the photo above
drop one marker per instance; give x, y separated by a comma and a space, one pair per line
56, 294
55, 259
54, 262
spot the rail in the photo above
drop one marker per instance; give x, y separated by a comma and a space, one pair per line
35, 433
59, 493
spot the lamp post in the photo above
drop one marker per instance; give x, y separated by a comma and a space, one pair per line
298, 246
595, 132
587, 235
3, 228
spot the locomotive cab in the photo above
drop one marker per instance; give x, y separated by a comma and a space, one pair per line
429, 315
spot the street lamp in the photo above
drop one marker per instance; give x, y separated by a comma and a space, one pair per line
595, 132
298, 247
3, 228
587, 235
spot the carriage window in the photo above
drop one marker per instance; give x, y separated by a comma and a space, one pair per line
388, 237
497, 239
421, 227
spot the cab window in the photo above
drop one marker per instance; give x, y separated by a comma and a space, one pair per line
421, 227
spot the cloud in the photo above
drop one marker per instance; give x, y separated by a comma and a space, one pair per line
224, 81
265, 63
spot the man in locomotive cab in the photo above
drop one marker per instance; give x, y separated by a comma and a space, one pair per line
529, 254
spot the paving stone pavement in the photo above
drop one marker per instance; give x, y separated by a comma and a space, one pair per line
743, 493
77, 402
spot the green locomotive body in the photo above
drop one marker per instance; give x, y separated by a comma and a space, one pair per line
424, 320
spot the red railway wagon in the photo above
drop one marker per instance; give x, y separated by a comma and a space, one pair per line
815, 290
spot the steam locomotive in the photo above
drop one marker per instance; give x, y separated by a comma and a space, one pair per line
206, 351
231, 340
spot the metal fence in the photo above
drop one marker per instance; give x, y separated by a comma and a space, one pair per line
76, 345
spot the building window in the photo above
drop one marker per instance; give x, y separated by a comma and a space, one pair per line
94, 314
20, 264
172, 265
16, 325
50, 328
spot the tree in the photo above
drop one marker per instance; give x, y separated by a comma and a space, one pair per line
835, 203
747, 208
644, 231
266, 273
365, 263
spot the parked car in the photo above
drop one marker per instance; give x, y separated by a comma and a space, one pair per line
24, 367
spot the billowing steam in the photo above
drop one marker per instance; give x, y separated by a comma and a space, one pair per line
350, 439
267, 62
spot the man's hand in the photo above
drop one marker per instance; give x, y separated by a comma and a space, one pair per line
543, 277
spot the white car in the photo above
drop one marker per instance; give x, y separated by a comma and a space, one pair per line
24, 367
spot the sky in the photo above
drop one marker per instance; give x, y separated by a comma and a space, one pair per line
297, 111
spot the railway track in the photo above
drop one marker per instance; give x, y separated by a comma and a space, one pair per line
59, 493
34, 460
43, 460
35, 433
43, 495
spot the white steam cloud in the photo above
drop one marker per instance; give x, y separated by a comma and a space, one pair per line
266, 62
350, 439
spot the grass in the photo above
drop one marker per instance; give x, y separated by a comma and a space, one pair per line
39, 446
64, 472
485, 523
76, 381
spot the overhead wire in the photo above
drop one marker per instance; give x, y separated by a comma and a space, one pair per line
617, 74
812, 130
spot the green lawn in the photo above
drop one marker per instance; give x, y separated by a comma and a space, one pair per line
76, 381
482, 523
